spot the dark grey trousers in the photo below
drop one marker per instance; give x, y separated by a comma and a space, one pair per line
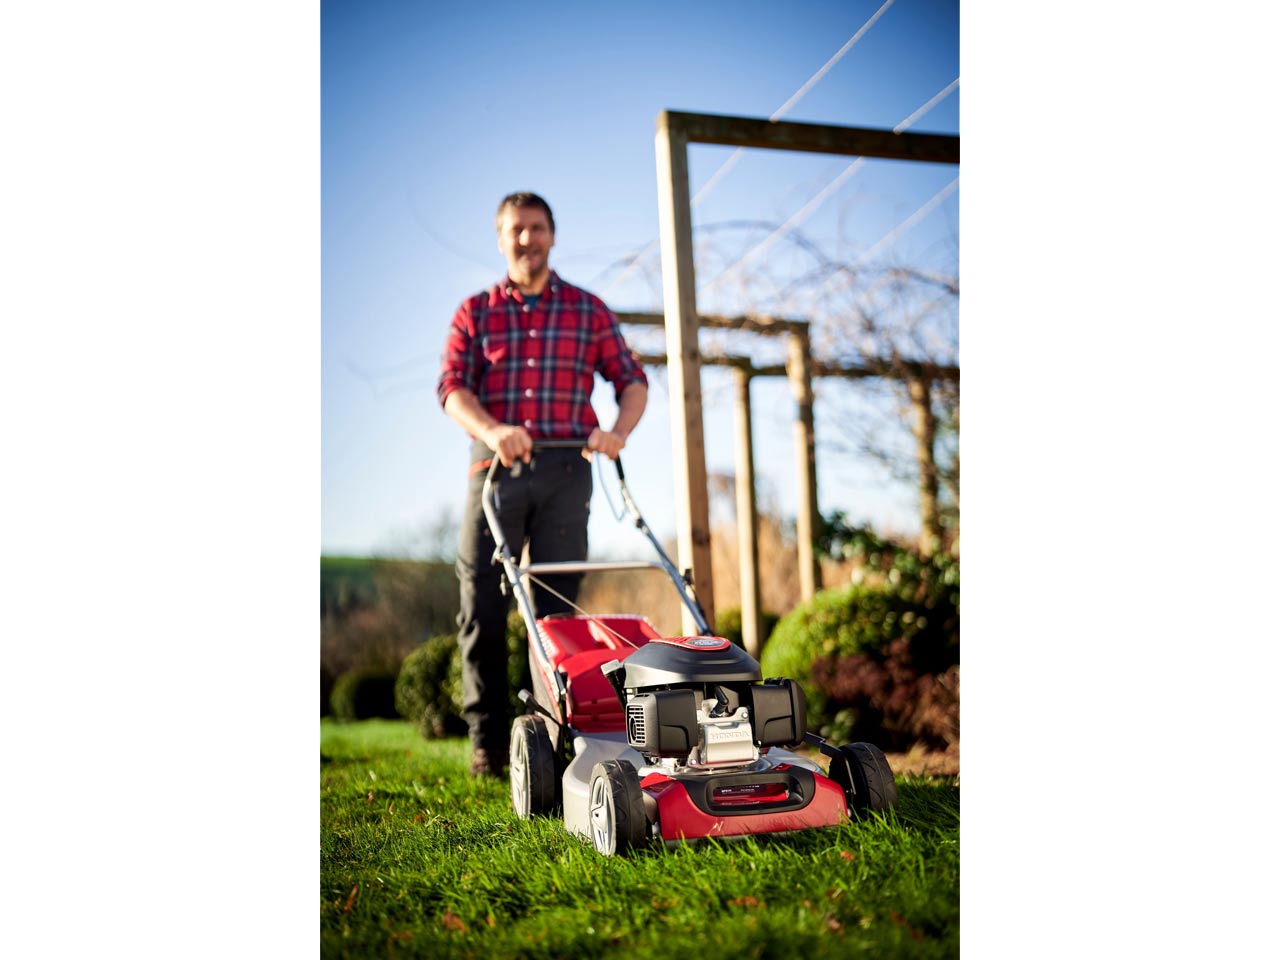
547, 505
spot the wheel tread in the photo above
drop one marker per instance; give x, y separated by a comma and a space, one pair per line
866, 777
629, 823
540, 762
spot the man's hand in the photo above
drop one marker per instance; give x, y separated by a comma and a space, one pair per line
602, 441
510, 443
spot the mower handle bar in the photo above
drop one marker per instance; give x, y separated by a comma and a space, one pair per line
571, 443
515, 573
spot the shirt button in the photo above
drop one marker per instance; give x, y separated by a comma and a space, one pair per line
533, 333
526, 308
533, 362
528, 424
528, 393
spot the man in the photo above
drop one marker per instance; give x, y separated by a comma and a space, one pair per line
519, 364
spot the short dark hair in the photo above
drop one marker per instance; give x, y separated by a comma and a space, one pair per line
525, 199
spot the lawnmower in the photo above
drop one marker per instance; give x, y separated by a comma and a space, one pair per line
639, 738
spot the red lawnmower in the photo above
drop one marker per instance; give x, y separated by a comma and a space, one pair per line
638, 737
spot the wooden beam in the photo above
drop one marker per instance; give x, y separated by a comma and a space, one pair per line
675, 221
807, 518
889, 369
752, 323
748, 537
812, 137
925, 427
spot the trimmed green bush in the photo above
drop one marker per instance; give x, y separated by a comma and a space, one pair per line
326, 690
428, 690
878, 659
363, 695
424, 692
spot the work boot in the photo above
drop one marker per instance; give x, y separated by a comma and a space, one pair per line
484, 764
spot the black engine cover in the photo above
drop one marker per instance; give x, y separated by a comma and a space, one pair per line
658, 664
663, 723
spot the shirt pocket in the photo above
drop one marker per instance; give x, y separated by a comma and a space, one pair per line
498, 346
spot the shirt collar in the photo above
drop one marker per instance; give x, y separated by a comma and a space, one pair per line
511, 290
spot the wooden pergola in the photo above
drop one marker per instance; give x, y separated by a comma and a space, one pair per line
801, 369
681, 320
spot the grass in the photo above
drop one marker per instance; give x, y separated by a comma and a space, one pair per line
417, 859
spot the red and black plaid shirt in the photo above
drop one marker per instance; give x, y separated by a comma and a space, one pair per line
536, 367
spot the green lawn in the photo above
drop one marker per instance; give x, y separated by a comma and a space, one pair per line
417, 859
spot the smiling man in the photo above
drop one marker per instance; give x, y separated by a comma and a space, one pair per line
520, 364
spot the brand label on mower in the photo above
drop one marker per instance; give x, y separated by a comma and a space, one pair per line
698, 643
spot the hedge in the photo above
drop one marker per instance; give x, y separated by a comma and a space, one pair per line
363, 695
878, 660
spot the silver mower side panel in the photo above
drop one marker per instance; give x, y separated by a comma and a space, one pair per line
778, 755
588, 751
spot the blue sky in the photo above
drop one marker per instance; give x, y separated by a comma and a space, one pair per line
430, 114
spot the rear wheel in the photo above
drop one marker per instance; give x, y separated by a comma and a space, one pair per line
616, 808
863, 773
533, 768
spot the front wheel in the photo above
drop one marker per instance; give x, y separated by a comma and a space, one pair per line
533, 769
863, 773
616, 808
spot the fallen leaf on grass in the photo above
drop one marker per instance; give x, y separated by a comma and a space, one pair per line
369, 798
490, 920
833, 924
351, 900
453, 922
833, 894
746, 902
846, 855
419, 818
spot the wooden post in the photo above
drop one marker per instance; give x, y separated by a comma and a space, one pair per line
675, 220
924, 425
800, 375
748, 540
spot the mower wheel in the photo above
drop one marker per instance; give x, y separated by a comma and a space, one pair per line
533, 768
864, 775
617, 808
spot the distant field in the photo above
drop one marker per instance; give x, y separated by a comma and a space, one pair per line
417, 859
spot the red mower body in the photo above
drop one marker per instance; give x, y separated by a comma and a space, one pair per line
781, 799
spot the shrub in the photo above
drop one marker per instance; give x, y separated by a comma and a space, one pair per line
326, 690
879, 659
729, 624
428, 689
361, 695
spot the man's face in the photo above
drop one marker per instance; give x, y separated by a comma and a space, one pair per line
525, 239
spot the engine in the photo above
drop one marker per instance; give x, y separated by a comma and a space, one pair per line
698, 701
